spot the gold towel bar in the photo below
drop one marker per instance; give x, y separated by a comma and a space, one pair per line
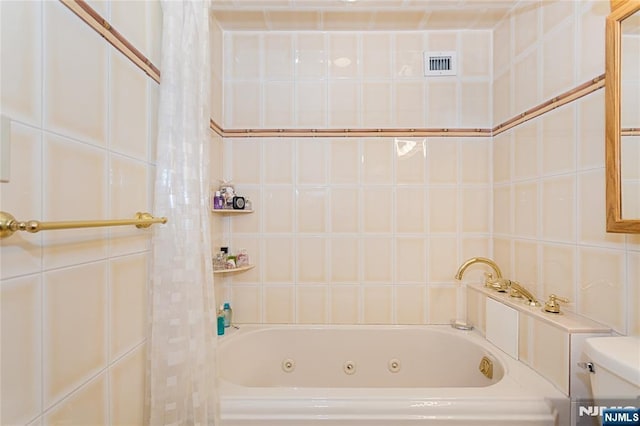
9, 224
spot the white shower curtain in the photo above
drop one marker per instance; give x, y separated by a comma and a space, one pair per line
182, 337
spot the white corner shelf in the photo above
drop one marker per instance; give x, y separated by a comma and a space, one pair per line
240, 269
231, 211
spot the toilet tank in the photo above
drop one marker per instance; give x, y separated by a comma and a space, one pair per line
616, 363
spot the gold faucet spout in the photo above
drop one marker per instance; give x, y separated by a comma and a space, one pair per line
474, 260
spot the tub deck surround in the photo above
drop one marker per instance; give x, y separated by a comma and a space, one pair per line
548, 343
568, 321
376, 375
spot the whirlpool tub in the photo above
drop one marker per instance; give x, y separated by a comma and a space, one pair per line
376, 376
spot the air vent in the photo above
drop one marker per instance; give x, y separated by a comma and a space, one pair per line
439, 63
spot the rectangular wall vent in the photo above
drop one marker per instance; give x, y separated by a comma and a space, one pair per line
440, 63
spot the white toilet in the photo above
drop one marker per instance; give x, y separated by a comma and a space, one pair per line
616, 367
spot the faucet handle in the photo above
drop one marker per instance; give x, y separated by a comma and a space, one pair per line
552, 305
498, 284
488, 278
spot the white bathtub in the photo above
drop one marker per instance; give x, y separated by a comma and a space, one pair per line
375, 376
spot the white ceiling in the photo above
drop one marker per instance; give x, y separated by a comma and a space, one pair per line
360, 15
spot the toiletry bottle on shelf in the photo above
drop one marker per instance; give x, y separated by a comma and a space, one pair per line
242, 258
228, 314
220, 261
220, 321
218, 201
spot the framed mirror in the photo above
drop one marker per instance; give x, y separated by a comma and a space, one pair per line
622, 112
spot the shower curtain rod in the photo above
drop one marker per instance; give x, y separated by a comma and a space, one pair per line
9, 224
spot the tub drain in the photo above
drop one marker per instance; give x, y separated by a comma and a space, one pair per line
394, 365
349, 367
288, 365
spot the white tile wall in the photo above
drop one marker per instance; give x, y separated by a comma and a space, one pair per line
338, 79
355, 218
549, 172
73, 302
534, 203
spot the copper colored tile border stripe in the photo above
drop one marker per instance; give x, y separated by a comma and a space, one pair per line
556, 102
357, 133
630, 132
100, 25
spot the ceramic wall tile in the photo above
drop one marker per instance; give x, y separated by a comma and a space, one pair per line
410, 210
377, 108
600, 279
278, 56
279, 304
526, 209
410, 265
86, 406
410, 104
127, 108
128, 309
345, 260
441, 259
377, 210
376, 55
475, 105
345, 162
247, 304
21, 314
344, 58
377, 304
127, 387
312, 303
311, 209
526, 28
311, 254
311, 102
526, 148
558, 209
345, 210
74, 316
344, 99
278, 214
345, 304
377, 260
243, 105
558, 61
443, 210
410, 161
475, 54
442, 304
21, 67
410, 302
245, 59
278, 104
559, 141
75, 79
312, 160
278, 260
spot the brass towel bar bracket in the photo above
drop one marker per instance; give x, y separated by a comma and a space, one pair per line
9, 224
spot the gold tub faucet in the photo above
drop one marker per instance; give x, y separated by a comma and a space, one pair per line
499, 283
484, 260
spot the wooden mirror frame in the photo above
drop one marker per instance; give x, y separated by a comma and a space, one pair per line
620, 9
